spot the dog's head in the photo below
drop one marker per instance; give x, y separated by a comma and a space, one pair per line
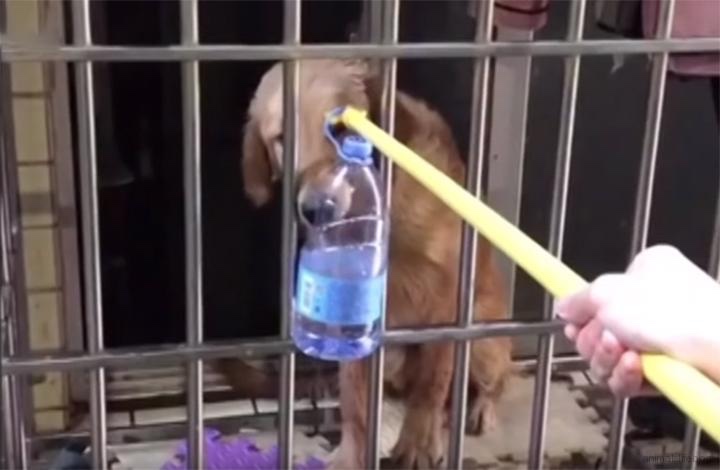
324, 85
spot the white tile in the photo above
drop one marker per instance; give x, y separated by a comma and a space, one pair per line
178, 413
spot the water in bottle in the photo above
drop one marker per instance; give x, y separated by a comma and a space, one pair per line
341, 279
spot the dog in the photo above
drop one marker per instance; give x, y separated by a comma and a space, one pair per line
423, 276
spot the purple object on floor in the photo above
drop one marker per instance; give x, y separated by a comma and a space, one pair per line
221, 454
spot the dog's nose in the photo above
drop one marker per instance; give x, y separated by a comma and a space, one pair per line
318, 212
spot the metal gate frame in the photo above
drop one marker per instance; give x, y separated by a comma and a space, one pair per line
385, 47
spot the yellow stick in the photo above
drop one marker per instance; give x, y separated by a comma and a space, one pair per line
691, 391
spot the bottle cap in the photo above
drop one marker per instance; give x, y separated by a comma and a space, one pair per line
355, 149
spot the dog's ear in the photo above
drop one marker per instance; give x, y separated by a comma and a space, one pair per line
256, 166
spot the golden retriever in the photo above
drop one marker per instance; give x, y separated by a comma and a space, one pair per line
423, 273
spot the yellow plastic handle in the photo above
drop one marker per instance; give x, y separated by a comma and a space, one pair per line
691, 391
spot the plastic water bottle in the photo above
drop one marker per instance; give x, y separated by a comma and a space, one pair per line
341, 280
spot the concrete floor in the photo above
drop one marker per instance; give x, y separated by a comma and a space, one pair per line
572, 430
576, 435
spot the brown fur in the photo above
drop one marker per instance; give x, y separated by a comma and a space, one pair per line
424, 256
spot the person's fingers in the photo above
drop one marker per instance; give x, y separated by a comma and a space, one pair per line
588, 339
571, 331
627, 378
606, 356
656, 259
582, 307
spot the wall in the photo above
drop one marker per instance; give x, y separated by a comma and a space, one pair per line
45, 213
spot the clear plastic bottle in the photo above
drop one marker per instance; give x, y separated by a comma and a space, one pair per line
342, 273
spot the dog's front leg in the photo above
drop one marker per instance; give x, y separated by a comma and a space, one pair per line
353, 409
422, 440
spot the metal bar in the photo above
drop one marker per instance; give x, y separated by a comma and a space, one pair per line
691, 442
291, 104
13, 432
165, 355
643, 203
375, 18
510, 88
17, 420
178, 428
15, 52
192, 169
558, 214
691, 445
8, 458
388, 34
90, 230
14, 309
468, 253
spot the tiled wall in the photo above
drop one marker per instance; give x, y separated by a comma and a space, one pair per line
31, 101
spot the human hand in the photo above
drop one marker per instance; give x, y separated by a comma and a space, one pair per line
663, 303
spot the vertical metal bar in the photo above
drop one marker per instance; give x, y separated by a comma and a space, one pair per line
14, 419
388, 34
8, 457
14, 309
375, 17
64, 195
691, 442
691, 445
557, 231
8, 451
511, 85
13, 424
291, 104
468, 254
193, 231
90, 230
10, 404
643, 202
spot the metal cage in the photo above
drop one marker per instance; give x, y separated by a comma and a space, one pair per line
384, 46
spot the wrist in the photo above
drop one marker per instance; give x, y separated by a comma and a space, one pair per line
701, 349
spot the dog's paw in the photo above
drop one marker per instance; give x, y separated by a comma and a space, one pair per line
481, 417
344, 461
421, 444
342, 464
347, 456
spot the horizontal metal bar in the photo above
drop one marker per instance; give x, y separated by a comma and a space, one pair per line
17, 52
230, 423
168, 355
559, 364
176, 430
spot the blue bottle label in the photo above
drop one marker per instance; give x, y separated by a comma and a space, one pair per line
339, 301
